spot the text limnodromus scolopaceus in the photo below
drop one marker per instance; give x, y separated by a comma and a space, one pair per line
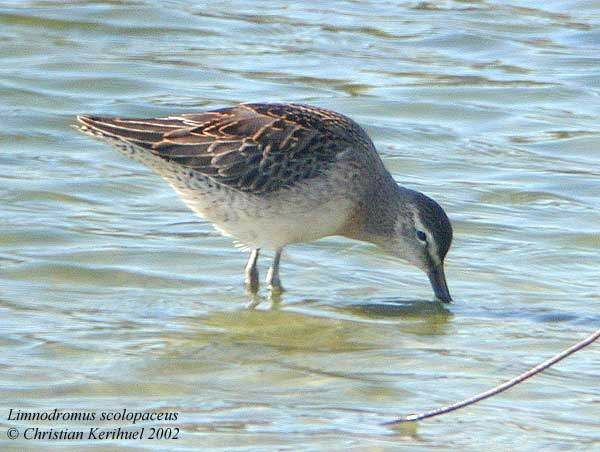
274, 174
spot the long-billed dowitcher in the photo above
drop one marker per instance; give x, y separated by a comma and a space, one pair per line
274, 174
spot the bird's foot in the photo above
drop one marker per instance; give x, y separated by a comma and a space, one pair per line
276, 289
274, 284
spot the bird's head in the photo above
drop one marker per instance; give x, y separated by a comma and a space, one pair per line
422, 236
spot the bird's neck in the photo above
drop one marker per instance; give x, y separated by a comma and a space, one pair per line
374, 219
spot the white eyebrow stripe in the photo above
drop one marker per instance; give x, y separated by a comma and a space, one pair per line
431, 243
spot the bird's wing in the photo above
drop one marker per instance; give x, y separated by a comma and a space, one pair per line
255, 148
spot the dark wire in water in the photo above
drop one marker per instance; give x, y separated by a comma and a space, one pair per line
501, 388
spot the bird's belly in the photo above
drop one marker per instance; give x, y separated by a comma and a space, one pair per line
303, 213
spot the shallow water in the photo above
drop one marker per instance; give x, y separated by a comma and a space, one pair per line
113, 295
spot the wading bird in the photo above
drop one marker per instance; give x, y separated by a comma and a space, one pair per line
274, 174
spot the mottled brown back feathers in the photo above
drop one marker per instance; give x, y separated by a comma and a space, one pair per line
255, 148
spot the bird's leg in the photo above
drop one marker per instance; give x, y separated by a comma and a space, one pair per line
273, 275
251, 272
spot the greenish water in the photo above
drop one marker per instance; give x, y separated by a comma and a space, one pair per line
113, 295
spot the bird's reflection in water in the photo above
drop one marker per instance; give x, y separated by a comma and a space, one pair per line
271, 301
425, 317
421, 317
393, 307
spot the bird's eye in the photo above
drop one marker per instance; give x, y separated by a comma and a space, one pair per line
422, 236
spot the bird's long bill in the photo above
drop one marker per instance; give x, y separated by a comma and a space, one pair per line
438, 283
